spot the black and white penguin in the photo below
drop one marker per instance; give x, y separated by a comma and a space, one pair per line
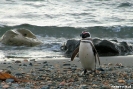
88, 55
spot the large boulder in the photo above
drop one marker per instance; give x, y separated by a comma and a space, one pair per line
19, 37
104, 47
70, 46
107, 47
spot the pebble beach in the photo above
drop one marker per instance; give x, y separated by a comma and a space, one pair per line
61, 73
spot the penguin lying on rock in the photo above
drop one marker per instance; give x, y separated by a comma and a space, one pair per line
88, 54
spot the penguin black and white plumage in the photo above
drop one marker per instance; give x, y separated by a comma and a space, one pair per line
88, 55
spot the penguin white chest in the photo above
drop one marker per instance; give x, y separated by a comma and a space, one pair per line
86, 55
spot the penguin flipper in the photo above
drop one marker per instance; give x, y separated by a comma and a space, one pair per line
98, 58
95, 53
74, 53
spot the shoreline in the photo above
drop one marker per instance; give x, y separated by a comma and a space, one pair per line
125, 60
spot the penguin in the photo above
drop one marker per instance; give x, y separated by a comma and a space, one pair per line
88, 54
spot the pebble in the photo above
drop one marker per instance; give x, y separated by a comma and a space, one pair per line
66, 64
121, 81
6, 86
94, 86
110, 64
100, 69
46, 87
45, 62
15, 84
30, 64
130, 81
9, 80
25, 60
105, 87
17, 61
62, 83
83, 87
19, 75
24, 65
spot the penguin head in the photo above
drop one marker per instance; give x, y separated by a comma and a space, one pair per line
85, 34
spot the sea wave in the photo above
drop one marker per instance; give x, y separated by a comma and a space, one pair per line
71, 32
125, 4
54, 37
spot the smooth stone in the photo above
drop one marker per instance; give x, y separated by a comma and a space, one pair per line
130, 81
6, 86
9, 80
83, 87
105, 87
27, 88
10, 67
46, 87
66, 64
73, 68
24, 65
45, 62
19, 75
32, 59
7, 71
100, 69
110, 69
30, 64
41, 70
17, 61
15, 85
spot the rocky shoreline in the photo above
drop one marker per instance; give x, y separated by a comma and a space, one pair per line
103, 46
64, 74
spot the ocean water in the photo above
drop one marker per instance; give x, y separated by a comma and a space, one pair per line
56, 21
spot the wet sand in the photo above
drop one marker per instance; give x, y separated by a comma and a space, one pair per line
60, 73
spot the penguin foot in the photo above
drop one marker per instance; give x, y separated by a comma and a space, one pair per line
90, 72
84, 72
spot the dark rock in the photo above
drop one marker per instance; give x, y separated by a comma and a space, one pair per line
100, 69
8, 71
24, 65
66, 64
70, 46
10, 67
33, 60
45, 62
17, 61
41, 70
104, 47
30, 64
